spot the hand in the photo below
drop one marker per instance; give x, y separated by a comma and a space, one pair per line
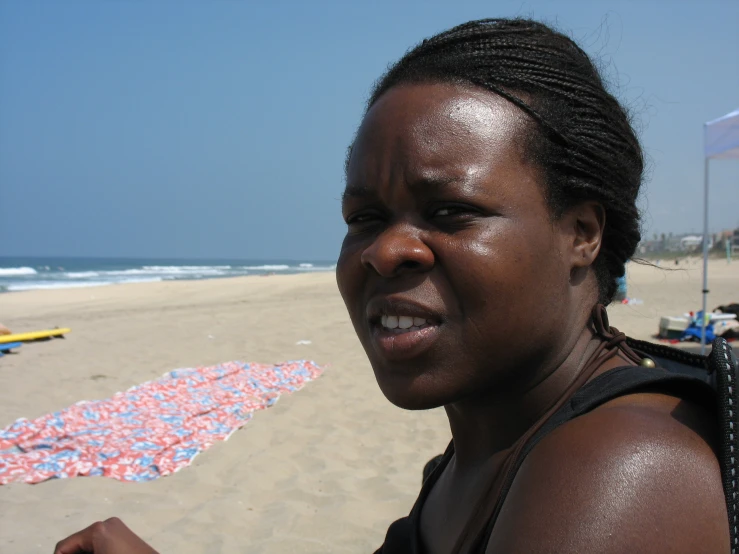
104, 537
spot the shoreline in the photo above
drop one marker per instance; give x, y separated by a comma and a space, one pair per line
97, 285
64, 296
19, 274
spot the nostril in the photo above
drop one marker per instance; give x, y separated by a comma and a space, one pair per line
409, 264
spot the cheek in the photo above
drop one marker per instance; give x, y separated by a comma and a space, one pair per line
497, 252
508, 265
349, 274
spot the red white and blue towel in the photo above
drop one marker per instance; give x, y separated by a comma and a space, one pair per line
150, 430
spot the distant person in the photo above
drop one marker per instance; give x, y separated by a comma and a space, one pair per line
491, 206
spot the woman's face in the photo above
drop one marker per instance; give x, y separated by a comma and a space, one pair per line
452, 270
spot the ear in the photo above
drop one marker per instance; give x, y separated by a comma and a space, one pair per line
583, 229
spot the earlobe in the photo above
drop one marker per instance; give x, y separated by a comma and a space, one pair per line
588, 220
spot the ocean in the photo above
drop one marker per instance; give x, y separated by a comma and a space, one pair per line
18, 274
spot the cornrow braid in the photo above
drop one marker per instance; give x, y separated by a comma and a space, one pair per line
585, 143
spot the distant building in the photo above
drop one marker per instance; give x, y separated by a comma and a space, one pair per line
691, 243
728, 239
676, 244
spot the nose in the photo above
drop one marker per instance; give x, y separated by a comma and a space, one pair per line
398, 250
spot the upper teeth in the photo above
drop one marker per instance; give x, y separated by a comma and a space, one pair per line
401, 321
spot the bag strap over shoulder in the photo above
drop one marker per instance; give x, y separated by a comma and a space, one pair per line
722, 365
664, 353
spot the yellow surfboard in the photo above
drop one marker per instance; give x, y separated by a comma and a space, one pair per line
34, 335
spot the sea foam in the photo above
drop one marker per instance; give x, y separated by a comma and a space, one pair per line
13, 271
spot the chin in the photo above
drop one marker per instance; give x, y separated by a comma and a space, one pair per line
413, 392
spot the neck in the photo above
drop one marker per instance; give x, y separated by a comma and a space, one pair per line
487, 424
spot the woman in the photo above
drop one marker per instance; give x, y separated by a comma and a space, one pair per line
491, 205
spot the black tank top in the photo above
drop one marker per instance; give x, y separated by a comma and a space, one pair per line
677, 373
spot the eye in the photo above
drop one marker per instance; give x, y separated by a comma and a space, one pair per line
363, 221
360, 218
450, 211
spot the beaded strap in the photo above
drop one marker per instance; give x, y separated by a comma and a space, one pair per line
724, 364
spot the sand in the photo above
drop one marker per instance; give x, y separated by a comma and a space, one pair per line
325, 470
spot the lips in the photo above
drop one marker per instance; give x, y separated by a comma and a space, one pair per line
402, 329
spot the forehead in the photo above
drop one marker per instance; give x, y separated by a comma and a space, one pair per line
436, 127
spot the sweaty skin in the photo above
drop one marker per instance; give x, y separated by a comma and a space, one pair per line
448, 220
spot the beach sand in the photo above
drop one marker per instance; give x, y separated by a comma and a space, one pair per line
325, 470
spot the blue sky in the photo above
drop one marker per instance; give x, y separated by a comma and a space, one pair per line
218, 128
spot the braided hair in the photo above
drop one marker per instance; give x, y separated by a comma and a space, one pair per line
584, 144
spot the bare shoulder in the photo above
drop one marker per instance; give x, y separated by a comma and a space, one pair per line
638, 474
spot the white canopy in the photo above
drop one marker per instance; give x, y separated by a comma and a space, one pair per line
722, 137
720, 141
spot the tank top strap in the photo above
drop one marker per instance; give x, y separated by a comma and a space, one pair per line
491, 501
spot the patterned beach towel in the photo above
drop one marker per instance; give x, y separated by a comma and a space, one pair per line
150, 430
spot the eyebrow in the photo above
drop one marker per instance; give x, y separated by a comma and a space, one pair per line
360, 191
357, 191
